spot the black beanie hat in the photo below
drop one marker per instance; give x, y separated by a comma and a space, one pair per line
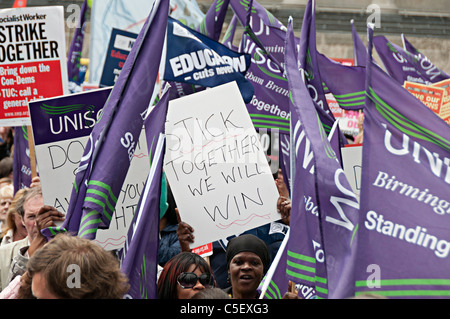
249, 243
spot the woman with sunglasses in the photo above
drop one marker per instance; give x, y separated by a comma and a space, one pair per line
183, 276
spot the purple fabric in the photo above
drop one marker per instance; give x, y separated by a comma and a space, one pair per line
404, 233
140, 253
324, 211
74, 55
359, 49
395, 63
111, 144
21, 159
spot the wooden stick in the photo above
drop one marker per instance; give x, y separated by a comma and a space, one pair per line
32, 152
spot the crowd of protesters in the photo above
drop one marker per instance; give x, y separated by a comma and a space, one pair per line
31, 266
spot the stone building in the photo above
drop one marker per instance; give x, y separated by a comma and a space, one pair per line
425, 23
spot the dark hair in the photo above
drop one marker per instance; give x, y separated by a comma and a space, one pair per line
6, 166
167, 282
211, 293
250, 243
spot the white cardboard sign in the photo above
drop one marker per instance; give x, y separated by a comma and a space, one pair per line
216, 166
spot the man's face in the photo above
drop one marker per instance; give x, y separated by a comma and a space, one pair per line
31, 208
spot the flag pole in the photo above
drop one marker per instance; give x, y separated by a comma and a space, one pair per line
32, 152
268, 277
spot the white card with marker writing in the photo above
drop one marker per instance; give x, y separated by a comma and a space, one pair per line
215, 165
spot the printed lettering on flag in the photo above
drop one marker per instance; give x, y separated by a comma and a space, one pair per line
404, 194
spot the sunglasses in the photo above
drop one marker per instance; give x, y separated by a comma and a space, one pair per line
189, 280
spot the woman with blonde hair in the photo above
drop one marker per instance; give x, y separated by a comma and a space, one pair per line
14, 229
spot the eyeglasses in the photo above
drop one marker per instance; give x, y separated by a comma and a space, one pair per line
189, 280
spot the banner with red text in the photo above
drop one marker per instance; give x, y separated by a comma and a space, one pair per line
32, 60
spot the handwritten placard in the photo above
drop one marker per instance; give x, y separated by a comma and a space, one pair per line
216, 166
61, 128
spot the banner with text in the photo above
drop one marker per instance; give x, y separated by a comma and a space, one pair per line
32, 60
61, 128
119, 47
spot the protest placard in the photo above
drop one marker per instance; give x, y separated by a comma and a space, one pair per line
429, 95
445, 109
32, 60
215, 165
119, 47
61, 128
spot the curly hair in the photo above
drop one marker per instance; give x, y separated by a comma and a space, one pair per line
99, 270
167, 282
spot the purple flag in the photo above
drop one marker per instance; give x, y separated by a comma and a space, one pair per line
265, 27
404, 241
229, 34
111, 145
308, 58
359, 49
422, 63
395, 62
140, 253
324, 215
74, 55
309, 61
212, 23
21, 157
346, 83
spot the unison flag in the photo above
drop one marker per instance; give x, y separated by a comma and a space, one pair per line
395, 62
111, 145
346, 83
21, 159
212, 23
324, 215
194, 58
404, 241
74, 55
359, 49
229, 34
309, 61
422, 63
140, 253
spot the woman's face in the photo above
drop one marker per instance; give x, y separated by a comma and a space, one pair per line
4, 206
246, 272
188, 293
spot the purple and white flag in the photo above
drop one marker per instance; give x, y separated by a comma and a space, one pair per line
111, 145
140, 253
21, 159
346, 83
309, 61
324, 215
396, 64
359, 49
404, 241
229, 34
74, 55
308, 58
422, 63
